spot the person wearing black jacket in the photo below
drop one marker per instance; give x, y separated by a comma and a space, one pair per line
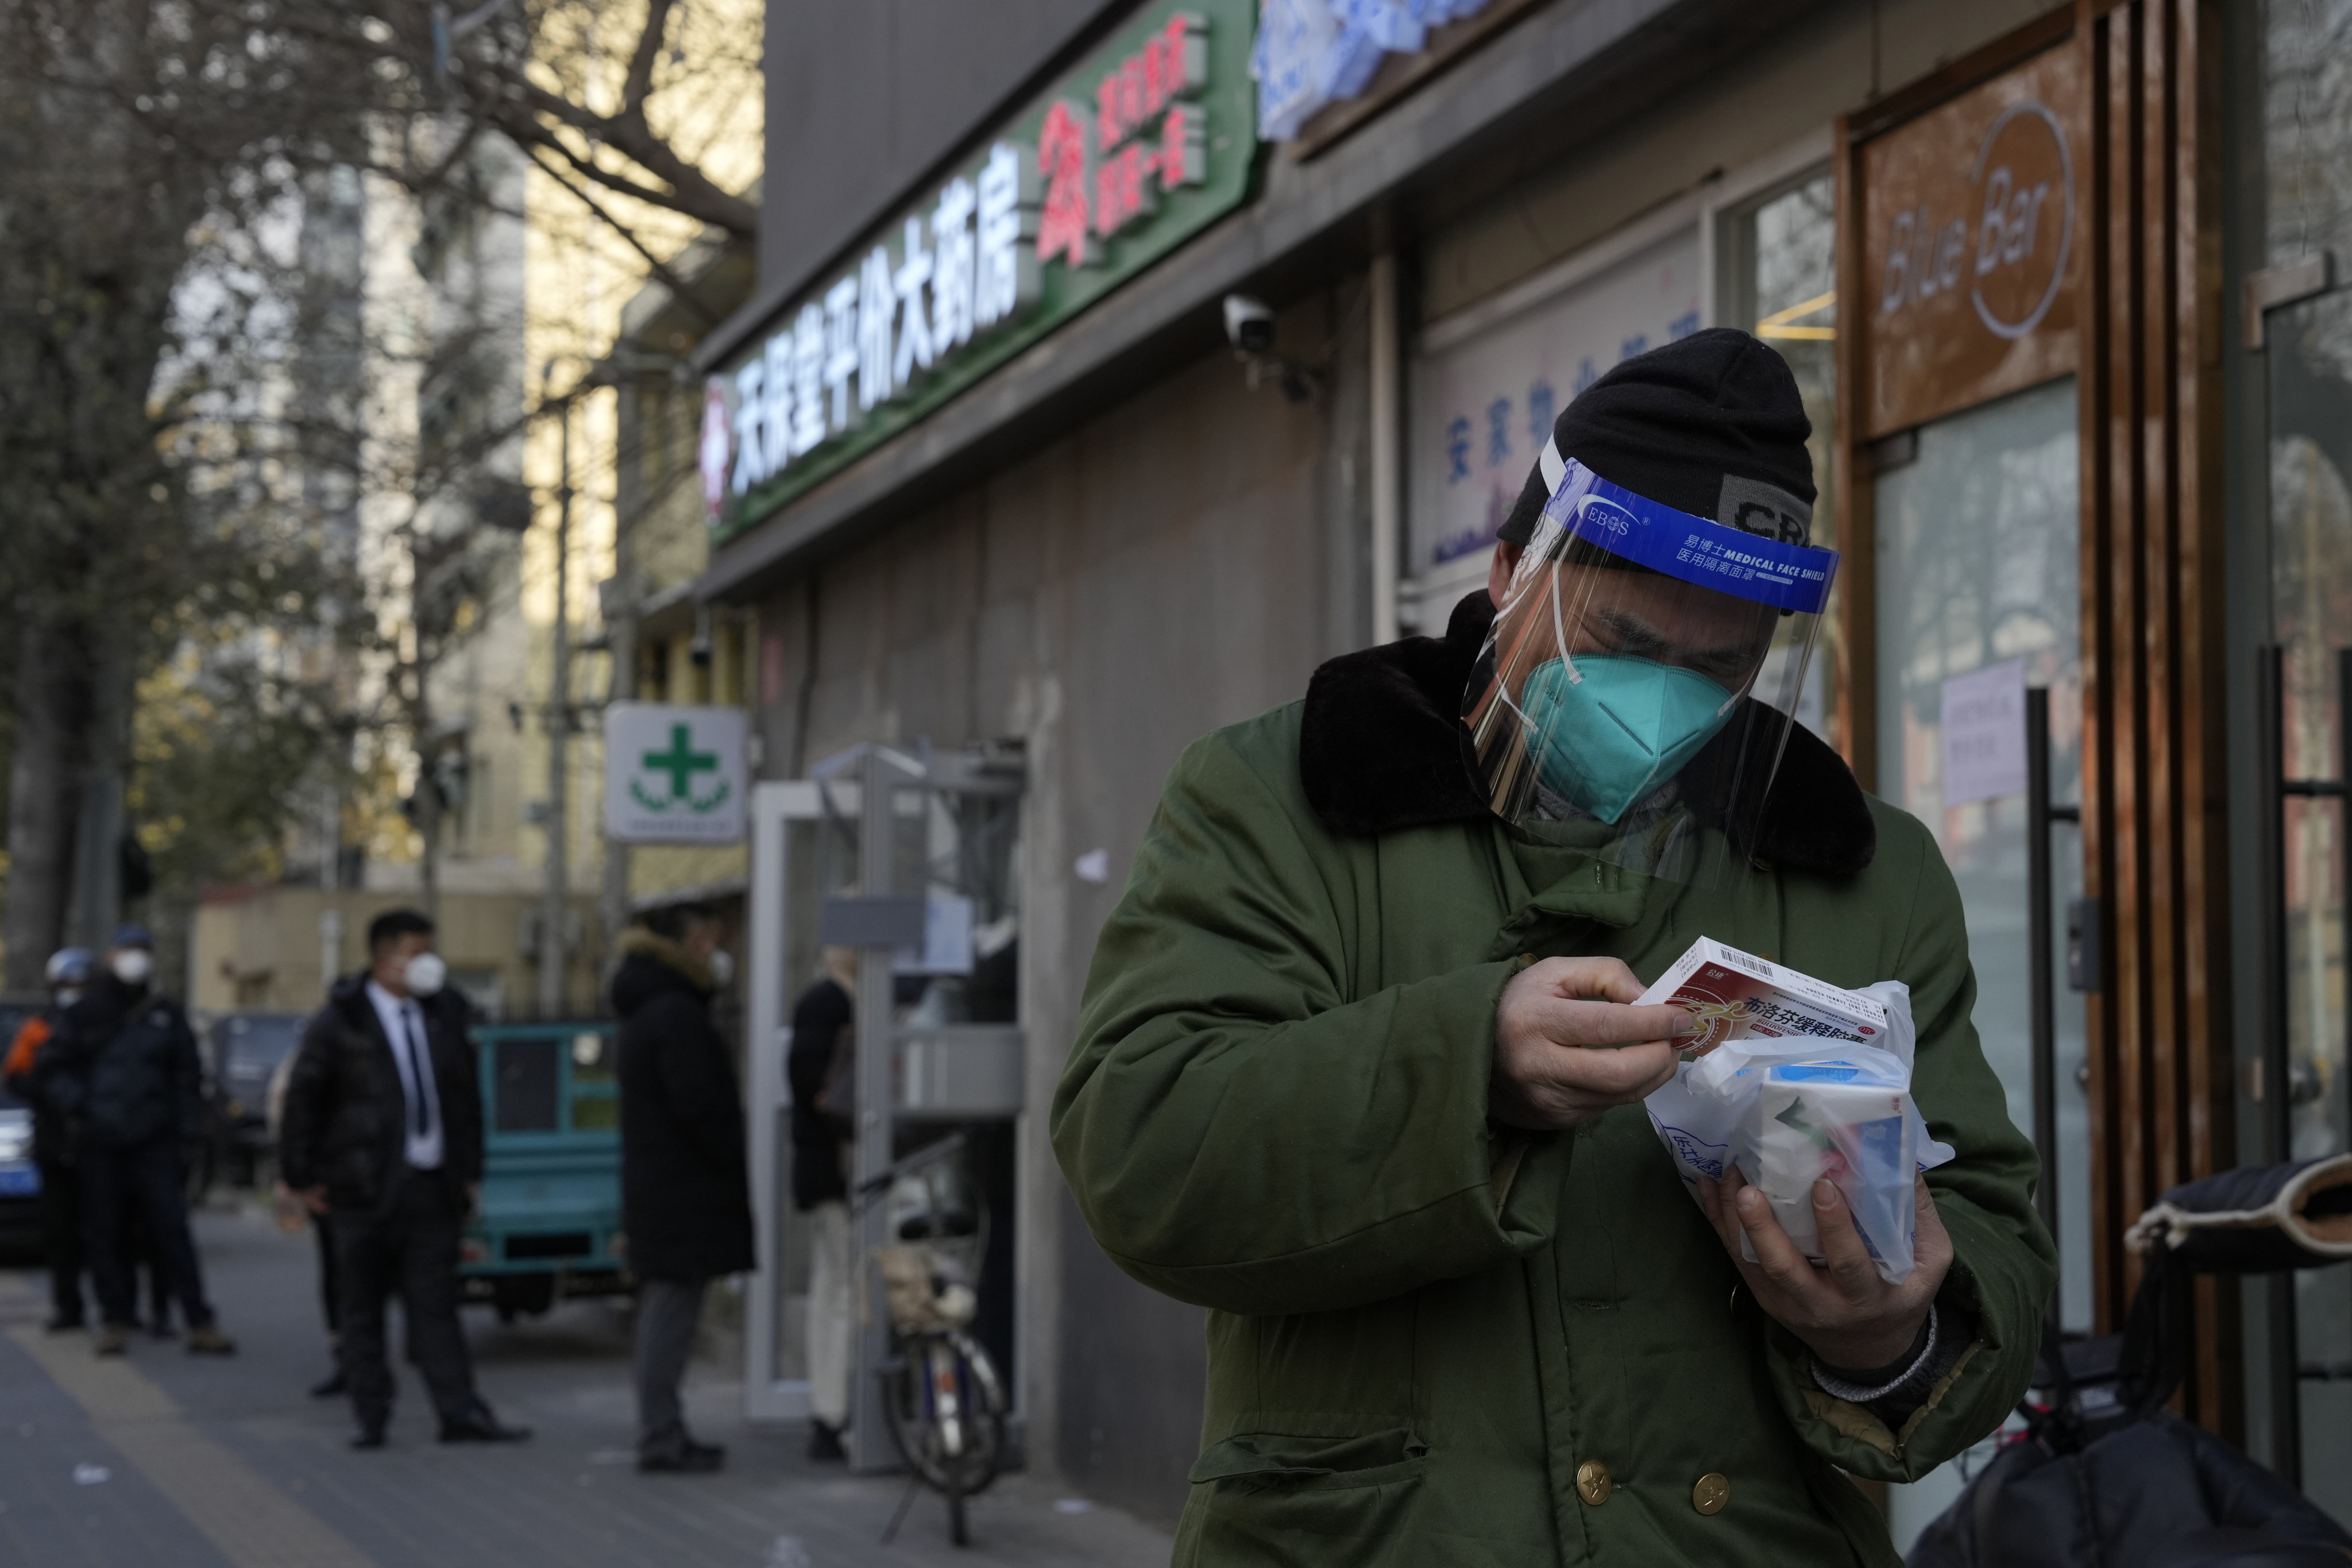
686, 1201
381, 1134
122, 1075
822, 1068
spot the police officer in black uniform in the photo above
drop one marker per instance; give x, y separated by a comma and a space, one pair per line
128, 1083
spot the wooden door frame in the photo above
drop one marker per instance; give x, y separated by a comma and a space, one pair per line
2155, 806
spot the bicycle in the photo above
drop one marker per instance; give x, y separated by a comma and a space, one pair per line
941, 1398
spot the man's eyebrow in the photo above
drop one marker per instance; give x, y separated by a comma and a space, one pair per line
1633, 632
1630, 629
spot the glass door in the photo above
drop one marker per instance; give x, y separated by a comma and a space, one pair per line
1978, 567
800, 853
2309, 364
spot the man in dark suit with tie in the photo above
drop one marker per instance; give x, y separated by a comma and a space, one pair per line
383, 1135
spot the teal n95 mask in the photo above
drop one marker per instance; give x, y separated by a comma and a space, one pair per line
1615, 728
1641, 677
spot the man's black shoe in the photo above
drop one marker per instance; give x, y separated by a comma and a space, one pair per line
480, 1426
333, 1386
824, 1443
687, 1459
369, 1438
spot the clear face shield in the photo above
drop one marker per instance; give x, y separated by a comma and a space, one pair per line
1640, 681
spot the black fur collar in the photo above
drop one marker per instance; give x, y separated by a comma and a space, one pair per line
1381, 747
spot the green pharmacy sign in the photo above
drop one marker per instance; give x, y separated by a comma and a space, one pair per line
1117, 164
674, 775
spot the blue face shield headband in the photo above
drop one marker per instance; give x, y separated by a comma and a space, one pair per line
1791, 577
1605, 729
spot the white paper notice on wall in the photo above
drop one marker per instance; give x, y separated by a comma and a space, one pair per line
1984, 733
946, 936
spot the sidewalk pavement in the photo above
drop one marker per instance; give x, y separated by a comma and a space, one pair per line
167, 1461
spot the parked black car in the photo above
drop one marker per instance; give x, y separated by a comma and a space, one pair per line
242, 1050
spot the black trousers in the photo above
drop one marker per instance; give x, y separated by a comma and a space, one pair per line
149, 1179
407, 1244
62, 1239
330, 1303
668, 1311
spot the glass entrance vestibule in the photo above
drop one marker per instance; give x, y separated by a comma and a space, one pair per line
892, 874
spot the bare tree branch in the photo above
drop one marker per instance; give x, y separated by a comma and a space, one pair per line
679, 285
640, 80
691, 192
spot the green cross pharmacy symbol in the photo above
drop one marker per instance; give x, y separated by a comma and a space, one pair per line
681, 763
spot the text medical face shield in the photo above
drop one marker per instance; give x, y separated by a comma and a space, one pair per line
1639, 683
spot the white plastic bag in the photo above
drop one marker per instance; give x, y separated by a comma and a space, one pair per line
1791, 1110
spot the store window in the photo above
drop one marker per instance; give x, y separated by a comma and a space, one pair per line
1775, 274
2307, 137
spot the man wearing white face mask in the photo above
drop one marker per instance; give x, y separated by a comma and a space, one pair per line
126, 1084
381, 1134
685, 1200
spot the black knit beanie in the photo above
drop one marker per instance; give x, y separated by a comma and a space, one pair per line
1710, 424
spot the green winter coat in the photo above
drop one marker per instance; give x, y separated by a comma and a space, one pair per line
1422, 1325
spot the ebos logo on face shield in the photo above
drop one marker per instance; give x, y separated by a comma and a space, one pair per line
1596, 515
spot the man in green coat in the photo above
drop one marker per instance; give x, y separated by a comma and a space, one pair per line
1357, 1067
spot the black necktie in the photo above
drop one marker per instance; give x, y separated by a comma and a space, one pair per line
420, 1108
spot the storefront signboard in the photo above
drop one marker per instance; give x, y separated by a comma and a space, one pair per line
674, 773
1484, 401
1972, 242
1123, 159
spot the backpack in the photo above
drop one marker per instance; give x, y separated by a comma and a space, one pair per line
2104, 1476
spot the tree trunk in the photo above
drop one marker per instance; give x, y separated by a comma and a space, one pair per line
45, 781
94, 908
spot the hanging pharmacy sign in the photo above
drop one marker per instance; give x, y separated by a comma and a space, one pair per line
1114, 165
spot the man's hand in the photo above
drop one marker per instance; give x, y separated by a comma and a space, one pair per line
1850, 1317
314, 1198
1547, 1072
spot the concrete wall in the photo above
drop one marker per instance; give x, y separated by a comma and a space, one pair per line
1183, 560
862, 99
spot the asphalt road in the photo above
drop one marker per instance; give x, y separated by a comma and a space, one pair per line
167, 1461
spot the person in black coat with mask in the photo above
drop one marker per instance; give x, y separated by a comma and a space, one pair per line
686, 1204
381, 1135
123, 1077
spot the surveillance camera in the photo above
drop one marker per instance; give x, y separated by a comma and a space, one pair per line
1249, 324
698, 650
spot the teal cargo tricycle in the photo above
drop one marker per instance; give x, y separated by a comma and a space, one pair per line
548, 1224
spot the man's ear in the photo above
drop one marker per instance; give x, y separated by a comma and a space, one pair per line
1498, 574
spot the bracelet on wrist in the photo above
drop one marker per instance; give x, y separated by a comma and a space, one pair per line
1852, 1393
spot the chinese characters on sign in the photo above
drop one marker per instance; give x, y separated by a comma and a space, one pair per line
1108, 170
1484, 399
961, 268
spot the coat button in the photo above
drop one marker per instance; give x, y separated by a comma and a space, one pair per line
1592, 1482
1711, 1493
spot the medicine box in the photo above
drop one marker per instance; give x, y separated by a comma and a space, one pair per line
1735, 994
